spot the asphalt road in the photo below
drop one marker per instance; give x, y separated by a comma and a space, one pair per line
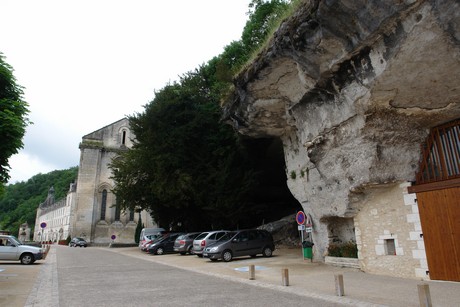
97, 277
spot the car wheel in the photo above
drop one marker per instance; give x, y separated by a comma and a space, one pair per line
199, 255
213, 260
182, 253
227, 255
190, 250
253, 256
160, 251
27, 259
267, 252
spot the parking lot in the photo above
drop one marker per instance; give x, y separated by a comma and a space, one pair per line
310, 280
17, 281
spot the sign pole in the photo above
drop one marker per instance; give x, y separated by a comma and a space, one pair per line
43, 226
300, 219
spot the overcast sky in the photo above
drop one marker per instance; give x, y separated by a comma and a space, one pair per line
88, 63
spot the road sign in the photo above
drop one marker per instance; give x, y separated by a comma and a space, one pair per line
308, 222
301, 227
113, 237
300, 218
43, 225
308, 229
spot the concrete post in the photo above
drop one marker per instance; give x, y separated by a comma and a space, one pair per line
285, 277
424, 295
339, 289
252, 272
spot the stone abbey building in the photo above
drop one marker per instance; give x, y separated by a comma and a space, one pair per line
90, 209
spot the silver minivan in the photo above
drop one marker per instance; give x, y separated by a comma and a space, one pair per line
205, 239
250, 242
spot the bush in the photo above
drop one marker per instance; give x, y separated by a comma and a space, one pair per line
348, 250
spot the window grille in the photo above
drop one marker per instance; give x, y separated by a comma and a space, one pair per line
441, 154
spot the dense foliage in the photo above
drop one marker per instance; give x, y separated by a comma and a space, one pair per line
20, 201
191, 170
13, 118
186, 166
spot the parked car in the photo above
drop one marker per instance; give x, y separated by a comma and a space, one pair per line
184, 243
78, 242
149, 240
13, 249
149, 234
250, 242
205, 239
163, 245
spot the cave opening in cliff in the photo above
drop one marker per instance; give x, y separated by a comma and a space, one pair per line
272, 192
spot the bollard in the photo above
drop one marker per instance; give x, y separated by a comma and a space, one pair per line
424, 295
252, 272
339, 290
285, 277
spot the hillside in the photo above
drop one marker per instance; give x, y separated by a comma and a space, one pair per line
20, 201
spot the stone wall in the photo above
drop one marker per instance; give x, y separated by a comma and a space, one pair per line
388, 214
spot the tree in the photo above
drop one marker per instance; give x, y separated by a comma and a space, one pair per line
138, 231
263, 18
13, 118
186, 166
20, 201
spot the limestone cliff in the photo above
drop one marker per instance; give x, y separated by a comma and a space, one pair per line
351, 88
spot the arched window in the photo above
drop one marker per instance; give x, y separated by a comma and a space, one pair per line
123, 137
103, 204
117, 211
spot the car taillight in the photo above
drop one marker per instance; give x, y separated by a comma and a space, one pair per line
203, 243
182, 242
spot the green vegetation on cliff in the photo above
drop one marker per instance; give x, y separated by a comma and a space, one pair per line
20, 201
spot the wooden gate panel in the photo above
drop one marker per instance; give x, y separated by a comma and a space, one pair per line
440, 218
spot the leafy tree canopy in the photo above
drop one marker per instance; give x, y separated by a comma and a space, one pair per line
186, 166
13, 118
20, 201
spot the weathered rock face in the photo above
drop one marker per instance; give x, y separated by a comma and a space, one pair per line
352, 88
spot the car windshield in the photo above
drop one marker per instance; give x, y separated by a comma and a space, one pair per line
160, 238
227, 236
157, 236
15, 240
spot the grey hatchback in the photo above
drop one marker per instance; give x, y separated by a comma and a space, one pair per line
248, 242
184, 243
205, 239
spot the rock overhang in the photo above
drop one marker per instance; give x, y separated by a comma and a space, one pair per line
352, 88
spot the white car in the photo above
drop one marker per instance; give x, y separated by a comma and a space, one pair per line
12, 249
